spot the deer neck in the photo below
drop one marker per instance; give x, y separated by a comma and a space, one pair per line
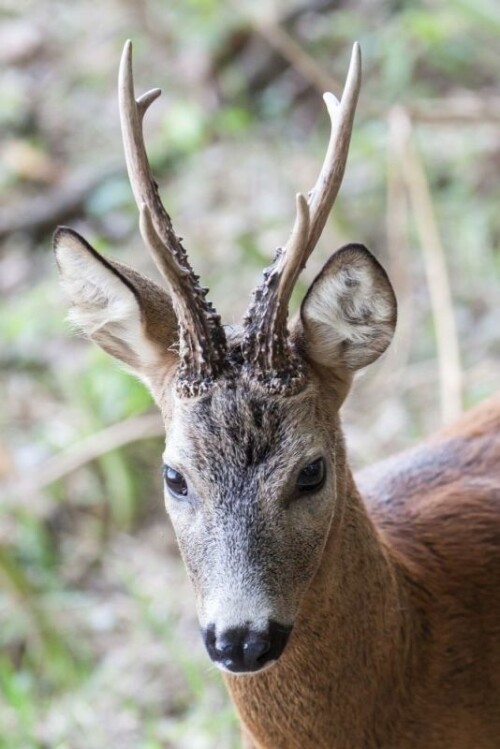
347, 653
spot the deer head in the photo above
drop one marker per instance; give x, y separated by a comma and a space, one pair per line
253, 459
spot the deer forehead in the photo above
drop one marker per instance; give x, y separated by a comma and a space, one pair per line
238, 428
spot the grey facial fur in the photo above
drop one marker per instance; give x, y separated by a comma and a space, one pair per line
250, 542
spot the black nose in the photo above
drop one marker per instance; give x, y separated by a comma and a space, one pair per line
242, 649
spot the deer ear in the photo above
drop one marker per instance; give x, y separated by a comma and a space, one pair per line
126, 314
349, 313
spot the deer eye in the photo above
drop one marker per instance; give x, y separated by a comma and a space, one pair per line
312, 477
175, 481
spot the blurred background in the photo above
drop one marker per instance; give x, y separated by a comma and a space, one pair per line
98, 639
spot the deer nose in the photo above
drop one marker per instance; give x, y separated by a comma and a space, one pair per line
243, 650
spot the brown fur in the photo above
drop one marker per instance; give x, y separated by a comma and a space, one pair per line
394, 598
397, 643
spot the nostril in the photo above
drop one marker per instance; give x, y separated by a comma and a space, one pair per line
255, 648
241, 649
228, 647
225, 647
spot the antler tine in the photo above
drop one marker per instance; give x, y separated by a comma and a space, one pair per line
324, 192
202, 341
143, 185
266, 349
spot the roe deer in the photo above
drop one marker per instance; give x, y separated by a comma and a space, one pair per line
356, 623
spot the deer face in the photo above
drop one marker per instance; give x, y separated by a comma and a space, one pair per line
250, 489
253, 449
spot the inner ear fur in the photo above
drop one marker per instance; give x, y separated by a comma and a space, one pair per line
349, 313
125, 313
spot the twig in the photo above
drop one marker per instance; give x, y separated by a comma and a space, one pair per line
448, 352
480, 108
273, 60
43, 212
297, 57
457, 110
393, 364
92, 447
282, 41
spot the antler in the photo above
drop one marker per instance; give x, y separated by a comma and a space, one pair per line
202, 341
266, 349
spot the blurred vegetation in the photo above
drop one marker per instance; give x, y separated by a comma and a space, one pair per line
98, 639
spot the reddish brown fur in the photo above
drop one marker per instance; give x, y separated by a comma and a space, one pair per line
397, 644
